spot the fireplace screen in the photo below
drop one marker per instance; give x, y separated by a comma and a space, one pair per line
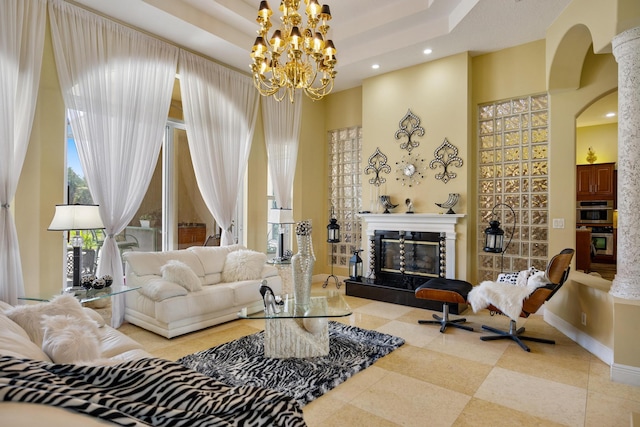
407, 259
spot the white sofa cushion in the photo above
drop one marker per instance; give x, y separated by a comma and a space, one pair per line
160, 289
5, 306
180, 273
212, 257
113, 343
148, 263
68, 340
30, 316
15, 342
243, 264
195, 304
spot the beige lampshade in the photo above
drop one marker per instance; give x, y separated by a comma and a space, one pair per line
76, 217
281, 216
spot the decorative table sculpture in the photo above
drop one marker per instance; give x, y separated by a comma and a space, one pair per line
302, 266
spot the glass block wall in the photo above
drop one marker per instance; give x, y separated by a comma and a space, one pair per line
345, 191
513, 158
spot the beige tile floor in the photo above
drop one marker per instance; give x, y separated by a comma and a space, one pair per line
450, 379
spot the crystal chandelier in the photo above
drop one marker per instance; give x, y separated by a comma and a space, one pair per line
296, 56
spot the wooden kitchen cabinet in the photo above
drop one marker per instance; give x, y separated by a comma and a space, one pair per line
193, 234
583, 249
595, 182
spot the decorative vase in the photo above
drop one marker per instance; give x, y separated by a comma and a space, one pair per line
302, 266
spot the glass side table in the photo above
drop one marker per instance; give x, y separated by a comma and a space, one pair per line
88, 295
299, 332
285, 273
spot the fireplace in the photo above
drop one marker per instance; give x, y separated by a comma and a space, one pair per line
405, 251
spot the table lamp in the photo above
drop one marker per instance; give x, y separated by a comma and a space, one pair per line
76, 217
281, 217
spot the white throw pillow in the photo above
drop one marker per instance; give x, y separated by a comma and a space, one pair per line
68, 339
29, 316
180, 273
159, 289
243, 264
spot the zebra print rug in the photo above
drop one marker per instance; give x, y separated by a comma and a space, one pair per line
242, 362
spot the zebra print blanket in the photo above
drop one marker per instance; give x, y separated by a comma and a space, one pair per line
145, 392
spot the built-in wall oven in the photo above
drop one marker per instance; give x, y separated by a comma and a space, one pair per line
602, 240
594, 212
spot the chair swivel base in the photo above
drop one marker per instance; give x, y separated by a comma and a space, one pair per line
445, 321
513, 334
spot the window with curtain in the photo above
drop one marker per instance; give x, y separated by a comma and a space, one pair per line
189, 222
345, 191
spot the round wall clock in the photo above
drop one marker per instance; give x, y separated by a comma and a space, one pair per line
410, 169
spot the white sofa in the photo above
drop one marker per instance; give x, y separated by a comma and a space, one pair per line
229, 279
60, 365
15, 341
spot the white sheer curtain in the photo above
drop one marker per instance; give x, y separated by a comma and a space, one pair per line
282, 131
117, 86
22, 24
220, 108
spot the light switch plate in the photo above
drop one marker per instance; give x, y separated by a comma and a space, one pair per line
558, 222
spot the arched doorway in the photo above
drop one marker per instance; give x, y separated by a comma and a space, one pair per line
597, 151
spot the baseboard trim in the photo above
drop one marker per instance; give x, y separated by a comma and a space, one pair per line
625, 374
585, 341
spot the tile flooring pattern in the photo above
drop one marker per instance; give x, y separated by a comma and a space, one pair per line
450, 379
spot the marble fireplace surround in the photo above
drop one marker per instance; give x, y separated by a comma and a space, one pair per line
427, 222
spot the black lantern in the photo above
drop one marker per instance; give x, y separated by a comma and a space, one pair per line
494, 237
333, 230
355, 266
333, 237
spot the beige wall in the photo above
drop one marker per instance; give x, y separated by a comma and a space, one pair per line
310, 182
255, 230
41, 187
603, 139
597, 76
438, 93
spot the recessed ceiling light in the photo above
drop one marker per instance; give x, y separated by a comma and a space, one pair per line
427, 51
610, 114
375, 66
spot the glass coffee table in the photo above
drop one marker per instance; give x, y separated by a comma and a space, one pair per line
300, 331
87, 295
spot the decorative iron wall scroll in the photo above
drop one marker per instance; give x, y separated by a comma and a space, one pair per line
446, 155
409, 126
377, 164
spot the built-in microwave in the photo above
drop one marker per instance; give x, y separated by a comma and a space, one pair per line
594, 212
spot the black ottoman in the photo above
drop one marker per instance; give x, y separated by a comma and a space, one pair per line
447, 291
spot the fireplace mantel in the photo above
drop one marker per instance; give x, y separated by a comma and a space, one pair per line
429, 222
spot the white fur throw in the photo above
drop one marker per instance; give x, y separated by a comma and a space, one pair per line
68, 339
505, 296
243, 264
30, 316
178, 272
